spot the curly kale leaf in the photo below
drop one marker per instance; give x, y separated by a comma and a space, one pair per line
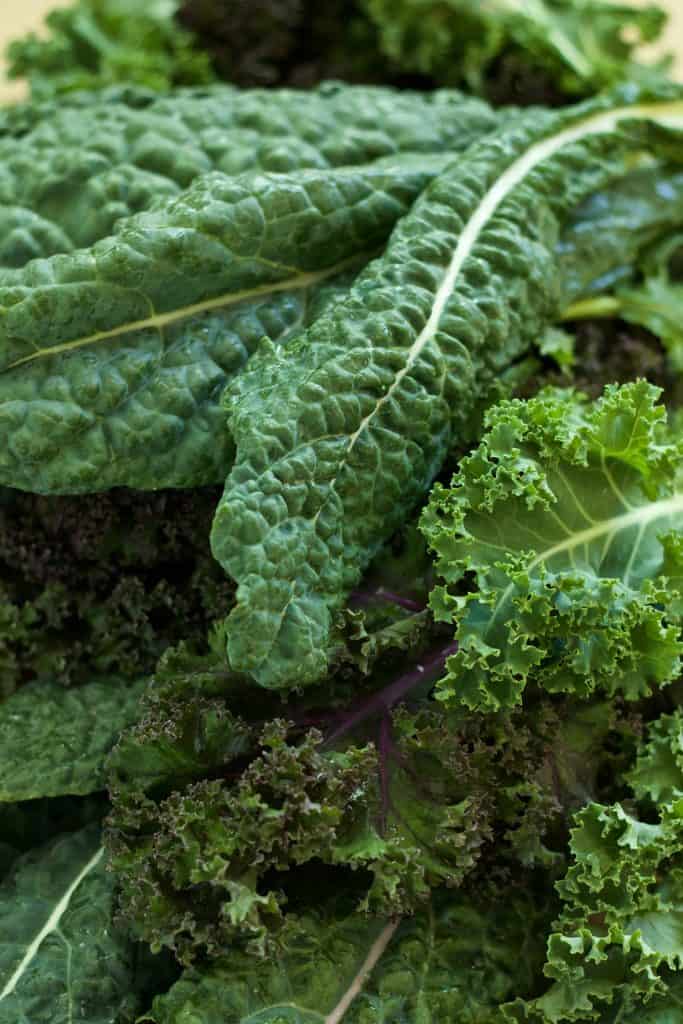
338, 439
202, 866
454, 961
658, 771
581, 44
223, 813
620, 934
96, 43
572, 586
99, 586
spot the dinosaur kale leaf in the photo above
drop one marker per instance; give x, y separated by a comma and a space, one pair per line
120, 385
106, 155
339, 439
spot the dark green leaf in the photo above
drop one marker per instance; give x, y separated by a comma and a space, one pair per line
339, 438
53, 741
61, 959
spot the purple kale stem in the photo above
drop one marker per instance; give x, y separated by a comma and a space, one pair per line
364, 597
394, 693
385, 746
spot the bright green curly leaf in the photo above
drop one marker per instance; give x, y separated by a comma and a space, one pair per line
560, 519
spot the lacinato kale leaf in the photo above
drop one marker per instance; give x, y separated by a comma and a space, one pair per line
70, 170
171, 307
339, 437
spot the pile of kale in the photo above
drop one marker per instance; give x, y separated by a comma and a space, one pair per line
385, 736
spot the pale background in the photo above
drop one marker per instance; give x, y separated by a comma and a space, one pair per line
18, 16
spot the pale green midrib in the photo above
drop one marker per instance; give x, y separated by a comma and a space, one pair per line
51, 925
515, 173
159, 321
358, 983
354, 989
638, 517
560, 40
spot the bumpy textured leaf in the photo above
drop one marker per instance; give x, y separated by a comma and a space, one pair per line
113, 358
84, 162
571, 584
53, 741
620, 934
338, 440
61, 959
582, 43
453, 962
163, 425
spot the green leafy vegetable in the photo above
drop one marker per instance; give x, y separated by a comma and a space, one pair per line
54, 741
99, 586
615, 948
453, 961
584, 44
658, 772
573, 588
339, 439
170, 308
70, 170
353, 839
63, 961
656, 303
96, 43
218, 820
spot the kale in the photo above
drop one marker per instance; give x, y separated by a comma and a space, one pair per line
390, 727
